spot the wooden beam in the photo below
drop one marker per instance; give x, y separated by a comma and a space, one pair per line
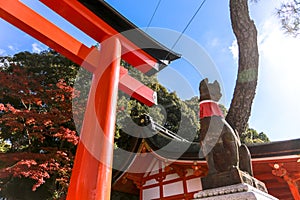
281, 171
52, 36
275, 184
293, 187
99, 30
137, 89
281, 194
265, 176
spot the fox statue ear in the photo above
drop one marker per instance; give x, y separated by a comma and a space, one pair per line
203, 83
216, 83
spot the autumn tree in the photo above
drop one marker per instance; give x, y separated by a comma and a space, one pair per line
37, 128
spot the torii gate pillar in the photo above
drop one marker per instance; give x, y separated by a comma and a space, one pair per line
91, 175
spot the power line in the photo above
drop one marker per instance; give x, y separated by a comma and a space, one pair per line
188, 24
153, 14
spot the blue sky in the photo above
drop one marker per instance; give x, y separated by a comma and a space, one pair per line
209, 50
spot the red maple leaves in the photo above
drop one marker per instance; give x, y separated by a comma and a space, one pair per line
36, 119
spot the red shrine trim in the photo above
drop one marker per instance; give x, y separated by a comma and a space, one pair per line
209, 108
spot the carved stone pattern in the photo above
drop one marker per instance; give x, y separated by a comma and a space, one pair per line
234, 192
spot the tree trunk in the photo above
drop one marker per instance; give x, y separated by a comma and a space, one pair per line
244, 92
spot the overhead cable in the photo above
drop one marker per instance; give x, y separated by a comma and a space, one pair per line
153, 14
188, 24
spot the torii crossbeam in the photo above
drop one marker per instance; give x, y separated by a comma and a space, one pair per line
91, 175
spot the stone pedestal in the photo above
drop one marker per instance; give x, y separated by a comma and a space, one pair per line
232, 177
240, 191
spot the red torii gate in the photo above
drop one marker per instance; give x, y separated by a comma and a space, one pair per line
91, 175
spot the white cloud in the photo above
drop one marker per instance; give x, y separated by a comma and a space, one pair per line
279, 59
234, 49
36, 48
215, 42
11, 47
276, 108
2, 52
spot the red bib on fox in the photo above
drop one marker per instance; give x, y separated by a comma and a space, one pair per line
209, 108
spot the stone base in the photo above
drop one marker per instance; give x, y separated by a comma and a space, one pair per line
232, 177
233, 192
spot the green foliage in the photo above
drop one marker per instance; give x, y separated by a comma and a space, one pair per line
4, 145
193, 104
171, 112
252, 136
189, 125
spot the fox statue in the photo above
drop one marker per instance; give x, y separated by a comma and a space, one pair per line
219, 143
